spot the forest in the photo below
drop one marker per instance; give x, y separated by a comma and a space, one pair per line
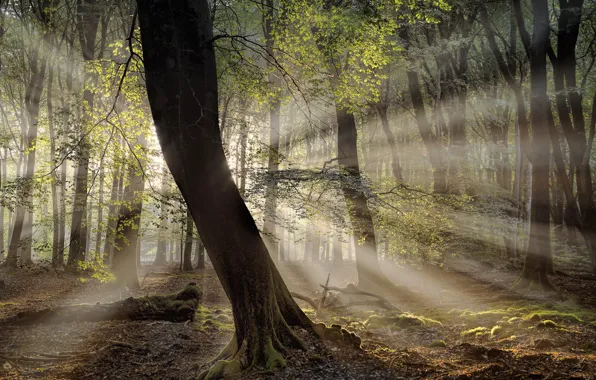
297, 189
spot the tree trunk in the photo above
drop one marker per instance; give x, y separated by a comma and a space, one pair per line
117, 173
161, 253
100, 211
430, 141
395, 166
88, 17
32, 102
182, 89
269, 227
54, 182
200, 255
539, 257
370, 274
124, 260
187, 262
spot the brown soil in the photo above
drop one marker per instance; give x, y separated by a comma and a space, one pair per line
520, 349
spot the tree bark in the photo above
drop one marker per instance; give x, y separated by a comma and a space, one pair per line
182, 89
539, 257
269, 227
124, 260
32, 102
88, 16
187, 258
161, 253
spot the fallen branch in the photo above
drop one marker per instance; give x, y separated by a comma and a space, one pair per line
353, 290
177, 307
306, 299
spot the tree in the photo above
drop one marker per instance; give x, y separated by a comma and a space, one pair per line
539, 257
187, 256
182, 87
125, 257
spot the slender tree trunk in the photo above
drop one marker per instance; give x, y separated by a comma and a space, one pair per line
88, 16
370, 274
539, 257
2, 182
100, 210
395, 166
201, 255
124, 260
182, 90
112, 216
161, 254
32, 102
187, 262
269, 227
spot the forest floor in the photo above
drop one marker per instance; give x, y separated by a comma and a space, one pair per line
459, 325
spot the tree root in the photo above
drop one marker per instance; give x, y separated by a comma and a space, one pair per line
233, 361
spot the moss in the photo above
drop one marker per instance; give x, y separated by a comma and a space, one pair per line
477, 331
547, 324
496, 331
275, 360
190, 292
223, 369
514, 320
438, 343
399, 321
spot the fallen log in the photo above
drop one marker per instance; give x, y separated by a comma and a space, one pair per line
177, 307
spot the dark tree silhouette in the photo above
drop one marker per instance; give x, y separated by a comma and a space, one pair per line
182, 88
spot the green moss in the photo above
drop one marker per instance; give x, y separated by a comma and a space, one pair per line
438, 343
496, 331
223, 369
275, 360
547, 324
399, 321
190, 292
477, 331
514, 320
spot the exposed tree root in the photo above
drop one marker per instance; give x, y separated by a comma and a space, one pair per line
264, 352
178, 307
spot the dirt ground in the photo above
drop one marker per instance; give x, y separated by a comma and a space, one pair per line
455, 325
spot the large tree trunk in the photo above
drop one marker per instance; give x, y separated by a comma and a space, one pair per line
539, 257
124, 259
182, 88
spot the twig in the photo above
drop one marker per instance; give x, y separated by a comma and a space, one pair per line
322, 300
